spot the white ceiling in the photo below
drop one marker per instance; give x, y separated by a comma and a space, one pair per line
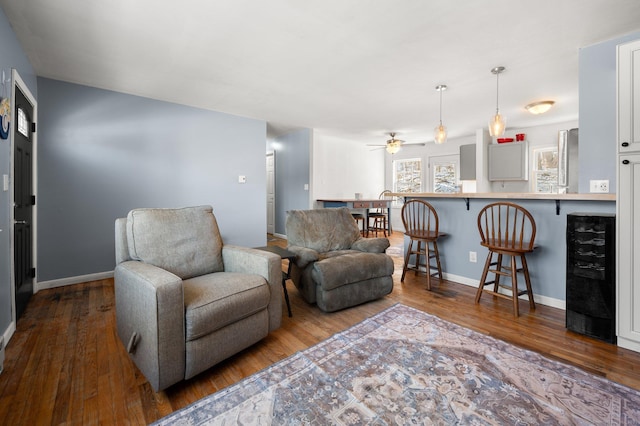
349, 68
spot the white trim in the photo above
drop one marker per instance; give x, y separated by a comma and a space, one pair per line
9, 332
284, 237
543, 300
74, 280
17, 81
628, 344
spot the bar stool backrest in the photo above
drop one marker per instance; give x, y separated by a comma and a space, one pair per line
420, 219
507, 226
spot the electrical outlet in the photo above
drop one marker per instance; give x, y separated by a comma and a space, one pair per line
473, 257
601, 186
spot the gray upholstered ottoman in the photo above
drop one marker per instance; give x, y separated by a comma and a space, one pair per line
351, 279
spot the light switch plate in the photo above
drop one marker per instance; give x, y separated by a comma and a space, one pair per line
242, 179
5, 182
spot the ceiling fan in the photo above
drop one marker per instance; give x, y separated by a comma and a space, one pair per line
393, 145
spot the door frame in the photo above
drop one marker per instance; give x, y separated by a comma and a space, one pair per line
273, 183
18, 82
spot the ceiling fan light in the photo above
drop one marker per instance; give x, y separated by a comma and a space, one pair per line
539, 107
440, 134
497, 125
393, 147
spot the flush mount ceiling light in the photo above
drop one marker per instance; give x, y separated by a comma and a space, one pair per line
497, 123
539, 107
440, 131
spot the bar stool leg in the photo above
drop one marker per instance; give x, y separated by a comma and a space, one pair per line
418, 253
427, 263
496, 281
437, 253
407, 256
483, 278
514, 286
527, 280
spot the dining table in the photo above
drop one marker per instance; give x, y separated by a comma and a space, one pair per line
360, 205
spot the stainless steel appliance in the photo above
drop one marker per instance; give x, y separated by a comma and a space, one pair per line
568, 161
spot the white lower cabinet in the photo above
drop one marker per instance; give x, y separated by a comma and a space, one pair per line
628, 252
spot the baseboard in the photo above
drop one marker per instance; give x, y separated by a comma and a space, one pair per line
542, 300
9, 332
284, 237
628, 344
43, 285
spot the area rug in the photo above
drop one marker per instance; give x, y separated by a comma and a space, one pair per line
403, 366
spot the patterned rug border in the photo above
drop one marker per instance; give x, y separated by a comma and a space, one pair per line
300, 362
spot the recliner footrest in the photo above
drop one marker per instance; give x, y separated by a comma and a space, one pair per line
350, 268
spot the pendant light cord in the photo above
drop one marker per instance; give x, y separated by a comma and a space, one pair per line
441, 106
497, 91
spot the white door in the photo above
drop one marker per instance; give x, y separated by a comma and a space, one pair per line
271, 194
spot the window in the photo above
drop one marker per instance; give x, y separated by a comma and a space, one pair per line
23, 123
544, 173
444, 177
407, 175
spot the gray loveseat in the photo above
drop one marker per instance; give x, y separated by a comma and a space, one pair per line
185, 301
335, 267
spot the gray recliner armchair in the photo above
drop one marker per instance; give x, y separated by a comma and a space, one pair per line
184, 300
335, 267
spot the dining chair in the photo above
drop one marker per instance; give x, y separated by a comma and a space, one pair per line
378, 217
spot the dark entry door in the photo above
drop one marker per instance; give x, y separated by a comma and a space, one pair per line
23, 129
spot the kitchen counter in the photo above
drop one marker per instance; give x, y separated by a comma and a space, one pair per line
509, 195
458, 213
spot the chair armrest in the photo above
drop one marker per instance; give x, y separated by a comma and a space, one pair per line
150, 303
371, 245
304, 255
269, 265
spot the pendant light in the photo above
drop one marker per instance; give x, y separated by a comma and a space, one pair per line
440, 131
497, 123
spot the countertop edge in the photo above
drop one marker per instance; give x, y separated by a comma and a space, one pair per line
509, 195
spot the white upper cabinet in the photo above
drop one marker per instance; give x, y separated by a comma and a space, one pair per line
629, 97
509, 161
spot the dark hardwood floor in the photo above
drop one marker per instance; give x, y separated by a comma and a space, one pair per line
65, 364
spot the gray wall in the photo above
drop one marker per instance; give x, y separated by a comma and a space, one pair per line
293, 171
597, 105
11, 56
103, 153
547, 264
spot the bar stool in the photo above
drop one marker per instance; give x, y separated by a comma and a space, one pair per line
421, 226
506, 229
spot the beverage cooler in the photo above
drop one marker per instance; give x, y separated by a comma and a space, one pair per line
591, 285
